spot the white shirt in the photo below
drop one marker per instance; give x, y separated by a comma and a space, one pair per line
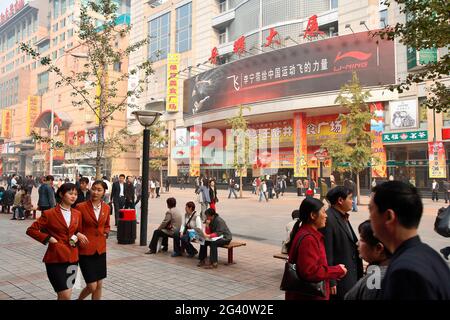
121, 190
97, 210
67, 215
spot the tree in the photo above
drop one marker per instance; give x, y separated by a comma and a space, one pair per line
426, 27
355, 153
241, 141
158, 140
96, 87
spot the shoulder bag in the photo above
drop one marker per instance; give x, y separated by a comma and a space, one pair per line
292, 282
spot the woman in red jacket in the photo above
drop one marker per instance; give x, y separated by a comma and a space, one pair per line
95, 217
60, 227
310, 256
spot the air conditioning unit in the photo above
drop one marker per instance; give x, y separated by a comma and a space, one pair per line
154, 3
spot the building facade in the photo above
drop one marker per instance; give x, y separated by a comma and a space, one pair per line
28, 90
286, 60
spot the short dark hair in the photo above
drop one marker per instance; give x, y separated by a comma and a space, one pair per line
210, 212
338, 192
366, 233
404, 199
65, 187
295, 214
171, 203
85, 180
49, 177
191, 205
102, 183
122, 175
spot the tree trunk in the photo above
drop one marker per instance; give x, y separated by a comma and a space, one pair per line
240, 184
160, 181
358, 190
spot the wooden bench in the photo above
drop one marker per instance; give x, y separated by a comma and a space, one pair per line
230, 247
283, 256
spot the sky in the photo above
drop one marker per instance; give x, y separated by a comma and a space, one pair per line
5, 4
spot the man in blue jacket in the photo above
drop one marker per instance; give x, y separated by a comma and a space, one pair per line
416, 271
46, 194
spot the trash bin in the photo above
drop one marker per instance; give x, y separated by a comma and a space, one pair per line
126, 226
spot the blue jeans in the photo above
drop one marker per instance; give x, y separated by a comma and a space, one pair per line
186, 244
232, 191
354, 207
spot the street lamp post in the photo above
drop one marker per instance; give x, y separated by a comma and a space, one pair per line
52, 119
146, 118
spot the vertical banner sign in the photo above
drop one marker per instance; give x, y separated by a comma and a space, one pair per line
32, 113
300, 146
436, 154
6, 123
173, 65
195, 142
378, 151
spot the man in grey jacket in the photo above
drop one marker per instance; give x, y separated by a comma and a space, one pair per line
46, 194
172, 223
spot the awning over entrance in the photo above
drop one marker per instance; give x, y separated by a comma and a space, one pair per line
61, 119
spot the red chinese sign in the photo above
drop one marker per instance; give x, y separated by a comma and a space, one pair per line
239, 46
270, 39
12, 10
214, 55
312, 29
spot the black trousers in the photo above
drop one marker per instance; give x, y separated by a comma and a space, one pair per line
119, 203
213, 256
446, 196
434, 195
156, 235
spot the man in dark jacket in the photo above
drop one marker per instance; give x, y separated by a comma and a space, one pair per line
118, 196
270, 186
46, 194
129, 193
446, 186
8, 199
84, 193
341, 241
218, 228
416, 271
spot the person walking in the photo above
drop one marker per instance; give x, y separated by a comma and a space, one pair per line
270, 187
95, 215
204, 197
232, 188
263, 191
167, 182
17, 210
46, 194
283, 185
416, 271
435, 190
341, 241
60, 227
299, 187
157, 187
213, 194
129, 193
307, 250
107, 197
348, 183
216, 228
118, 196
446, 186
323, 189
152, 186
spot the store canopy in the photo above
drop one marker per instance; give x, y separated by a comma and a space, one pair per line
61, 119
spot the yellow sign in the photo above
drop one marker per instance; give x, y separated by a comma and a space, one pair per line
436, 155
173, 65
32, 113
6, 123
300, 145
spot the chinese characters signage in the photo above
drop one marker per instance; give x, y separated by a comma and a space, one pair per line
436, 164
281, 130
292, 71
322, 128
404, 114
312, 29
173, 65
11, 10
300, 148
32, 113
405, 136
6, 123
195, 140
378, 151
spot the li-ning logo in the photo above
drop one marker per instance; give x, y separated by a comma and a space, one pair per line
357, 55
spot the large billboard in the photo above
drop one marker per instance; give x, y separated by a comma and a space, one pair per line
312, 67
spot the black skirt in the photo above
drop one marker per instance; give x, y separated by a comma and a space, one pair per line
62, 275
93, 267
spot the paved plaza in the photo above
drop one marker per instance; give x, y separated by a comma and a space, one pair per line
135, 275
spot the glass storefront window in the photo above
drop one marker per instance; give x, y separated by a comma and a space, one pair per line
400, 166
446, 119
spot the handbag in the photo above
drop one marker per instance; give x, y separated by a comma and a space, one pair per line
292, 282
442, 222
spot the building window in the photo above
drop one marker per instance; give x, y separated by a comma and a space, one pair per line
55, 42
55, 9
55, 27
61, 52
63, 23
117, 67
383, 18
222, 36
63, 7
222, 6
159, 31
333, 4
184, 28
70, 33
42, 82
54, 55
62, 36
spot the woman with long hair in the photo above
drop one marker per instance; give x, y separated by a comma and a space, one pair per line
95, 215
60, 228
213, 194
307, 250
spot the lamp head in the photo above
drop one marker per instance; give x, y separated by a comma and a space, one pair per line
146, 117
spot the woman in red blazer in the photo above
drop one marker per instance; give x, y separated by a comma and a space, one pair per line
60, 227
310, 257
95, 217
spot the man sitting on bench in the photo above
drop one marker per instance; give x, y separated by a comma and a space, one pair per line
216, 235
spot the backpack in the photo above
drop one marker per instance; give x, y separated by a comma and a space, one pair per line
442, 222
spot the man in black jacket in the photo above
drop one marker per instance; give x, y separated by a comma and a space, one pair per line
416, 271
129, 193
118, 196
84, 193
341, 241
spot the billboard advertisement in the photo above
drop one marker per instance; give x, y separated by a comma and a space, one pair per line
292, 71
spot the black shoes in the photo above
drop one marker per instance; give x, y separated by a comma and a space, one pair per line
164, 249
150, 252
